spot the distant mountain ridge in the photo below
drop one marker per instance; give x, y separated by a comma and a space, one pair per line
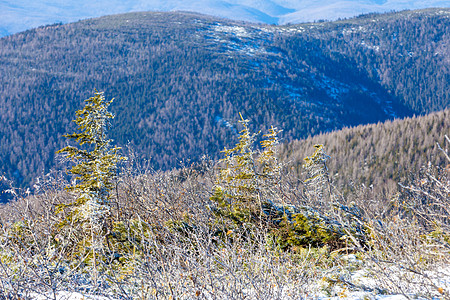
19, 15
180, 80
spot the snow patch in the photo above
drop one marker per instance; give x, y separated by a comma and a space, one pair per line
68, 296
236, 30
376, 48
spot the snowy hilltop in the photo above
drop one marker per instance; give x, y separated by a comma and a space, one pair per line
19, 15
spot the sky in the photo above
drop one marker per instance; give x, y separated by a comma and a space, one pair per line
20, 15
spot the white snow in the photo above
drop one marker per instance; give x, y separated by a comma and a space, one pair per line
359, 277
243, 39
376, 48
364, 278
68, 296
236, 30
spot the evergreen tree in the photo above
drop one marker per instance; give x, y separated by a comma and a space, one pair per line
248, 178
318, 185
248, 192
269, 176
95, 170
236, 190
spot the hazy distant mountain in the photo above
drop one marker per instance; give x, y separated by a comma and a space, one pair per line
19, 15
180, 80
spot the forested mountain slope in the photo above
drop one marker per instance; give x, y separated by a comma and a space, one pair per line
377, 156
180, 79
19, 15
408, 52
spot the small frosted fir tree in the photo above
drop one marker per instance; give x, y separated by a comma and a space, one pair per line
248, 178
270, 167
317, 184
248, 192
95, 172
268, 157
236, 190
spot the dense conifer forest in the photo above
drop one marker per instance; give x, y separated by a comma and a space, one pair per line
180, 79
377, 157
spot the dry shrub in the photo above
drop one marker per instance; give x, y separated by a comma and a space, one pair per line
164, 244
410, 249
166, 248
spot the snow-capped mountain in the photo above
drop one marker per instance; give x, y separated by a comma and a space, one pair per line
19, 15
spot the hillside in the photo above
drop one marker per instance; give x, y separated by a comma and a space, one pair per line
20, 15
180, 79
377, 156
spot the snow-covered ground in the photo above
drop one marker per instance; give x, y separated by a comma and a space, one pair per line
68, 296
364, 284
357, 285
